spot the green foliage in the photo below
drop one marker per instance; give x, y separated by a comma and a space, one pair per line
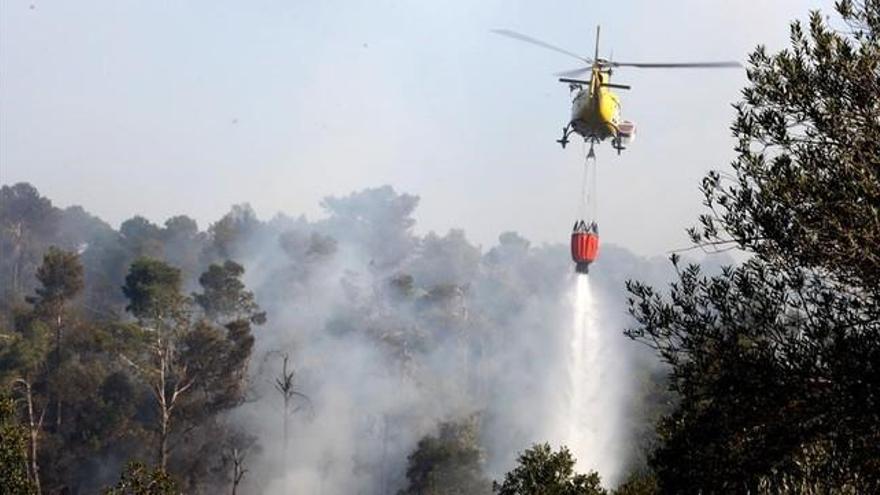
105, 375
450, 463
775, 361
23, 352
806, 188
13, 452
27, 225
541, 471
61, 279
141, 238
638, 484
194, 367
218, 357
138, 479
225, 298
106, 408
769, 365
108, 377
153, 290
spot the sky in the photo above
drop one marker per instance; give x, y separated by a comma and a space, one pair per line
160, 108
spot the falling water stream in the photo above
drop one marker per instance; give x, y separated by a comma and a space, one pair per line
591, 416
591, 422
583, 376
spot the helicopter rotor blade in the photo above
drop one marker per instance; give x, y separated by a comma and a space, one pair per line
679, 65
573, 72
529, 39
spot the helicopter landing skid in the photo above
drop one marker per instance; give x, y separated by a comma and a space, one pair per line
566, 131
617, 143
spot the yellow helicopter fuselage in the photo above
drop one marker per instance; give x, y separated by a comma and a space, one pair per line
595, 111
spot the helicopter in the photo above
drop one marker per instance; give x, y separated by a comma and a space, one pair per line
595, 108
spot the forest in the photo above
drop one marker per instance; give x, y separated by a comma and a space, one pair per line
350, 354
219, 356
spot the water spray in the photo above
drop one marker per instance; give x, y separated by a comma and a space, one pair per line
591, 410
585, 421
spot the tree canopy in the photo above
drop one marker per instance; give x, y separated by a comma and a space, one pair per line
775, 361
450, 463
542, 471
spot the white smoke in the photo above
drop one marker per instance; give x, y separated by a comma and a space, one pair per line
384, 358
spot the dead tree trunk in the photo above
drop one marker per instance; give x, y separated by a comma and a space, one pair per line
238, 469
165, 398
58, 367
35, 426
285, 385
167, 390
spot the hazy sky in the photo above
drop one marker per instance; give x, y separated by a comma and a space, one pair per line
166, 107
